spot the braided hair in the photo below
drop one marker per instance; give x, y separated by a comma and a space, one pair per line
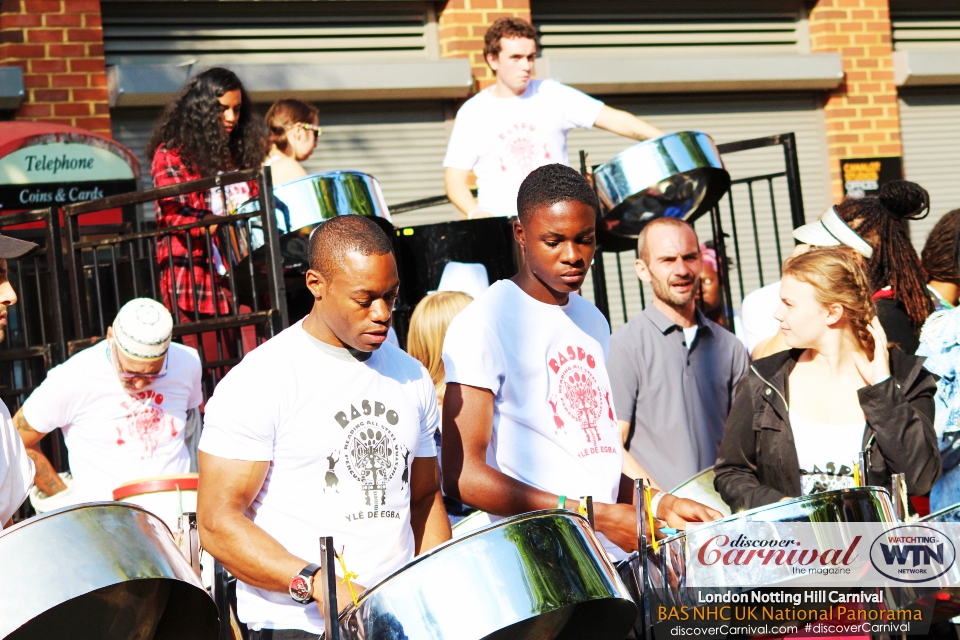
939, 255
838, 276
881, 221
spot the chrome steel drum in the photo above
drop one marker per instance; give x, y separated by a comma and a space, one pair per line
678, 175
535, 576
665, 570
700, 488
303, 204
947, 601
103, 570
950, 514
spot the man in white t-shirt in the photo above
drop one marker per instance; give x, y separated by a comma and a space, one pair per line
16, 468
518, 124
123, 407
324, 430
528, 416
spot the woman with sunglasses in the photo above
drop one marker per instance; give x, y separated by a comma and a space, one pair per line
128, 407
292, 130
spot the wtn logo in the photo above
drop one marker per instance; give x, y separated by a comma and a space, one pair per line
912, 554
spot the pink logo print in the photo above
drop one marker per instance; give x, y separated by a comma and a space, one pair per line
145, 422
580, 395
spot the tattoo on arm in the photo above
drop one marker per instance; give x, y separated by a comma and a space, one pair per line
46, 477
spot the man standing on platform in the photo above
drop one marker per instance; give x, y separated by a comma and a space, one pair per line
673, 371
528, 418
518, 124
324, 430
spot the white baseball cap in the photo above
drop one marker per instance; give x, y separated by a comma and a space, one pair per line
143, 329
831, 231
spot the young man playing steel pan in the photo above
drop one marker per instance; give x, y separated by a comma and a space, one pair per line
518, 124
324, 430
528, 417
16, 468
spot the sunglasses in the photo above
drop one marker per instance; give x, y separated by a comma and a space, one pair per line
125, 375
308, 127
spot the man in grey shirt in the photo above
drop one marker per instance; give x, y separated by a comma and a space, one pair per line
673, 371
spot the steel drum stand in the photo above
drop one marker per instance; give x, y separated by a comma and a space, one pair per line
328, 582
644, 534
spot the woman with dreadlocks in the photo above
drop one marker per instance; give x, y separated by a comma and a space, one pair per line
210, 128
876, 226
940, 260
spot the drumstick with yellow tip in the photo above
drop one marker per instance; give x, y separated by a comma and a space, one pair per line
348, 576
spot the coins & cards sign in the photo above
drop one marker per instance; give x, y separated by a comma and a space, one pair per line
58, 168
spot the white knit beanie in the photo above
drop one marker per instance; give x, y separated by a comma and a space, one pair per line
143, 329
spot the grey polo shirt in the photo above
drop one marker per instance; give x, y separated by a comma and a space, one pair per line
676, 396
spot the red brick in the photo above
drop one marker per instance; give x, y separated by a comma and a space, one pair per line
867, 63
882, 99
843, 113
98, 79
72, 109
870, 112
843, 138
857, 76
94, 123
95, 49
852, 52
455, 31
867, 38
63, 20
836, 125
24, 51
516, 4
854, 99
70, 80
85, 35
875, 137
32, 81
851, 26
31, 110
66, 51
86, 64
469, 17
484, 4
863, 150
51, 95
48, 66
44, 35
892, 149
853, 125
863, 14
41, 6
101, 109
837, 40
22, 20
81, 6
90, 95
11, 36
92, 20
829, 14
888, 124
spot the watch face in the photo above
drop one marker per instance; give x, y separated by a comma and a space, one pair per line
300, 589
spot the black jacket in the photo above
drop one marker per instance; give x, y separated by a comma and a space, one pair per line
758, 464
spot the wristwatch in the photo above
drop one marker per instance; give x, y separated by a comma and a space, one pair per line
301, 586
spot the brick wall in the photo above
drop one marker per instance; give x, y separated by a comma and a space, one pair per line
59, 46
862, 115
462, 25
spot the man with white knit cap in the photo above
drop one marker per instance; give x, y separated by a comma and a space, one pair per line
126, 405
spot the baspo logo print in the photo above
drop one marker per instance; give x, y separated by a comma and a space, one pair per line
370, 451
146, 423
582, 398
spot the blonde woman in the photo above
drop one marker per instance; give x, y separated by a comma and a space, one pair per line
428, 328
292, 130
802, 416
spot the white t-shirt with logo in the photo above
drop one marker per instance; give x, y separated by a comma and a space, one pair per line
114, 435
553, 423
341, 436
826, 453
16, 468
504, 139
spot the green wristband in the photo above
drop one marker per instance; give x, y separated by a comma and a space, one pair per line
561, 503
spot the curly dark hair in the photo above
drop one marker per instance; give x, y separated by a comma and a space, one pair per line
192, 124
939, 255
506, 28
550, 184
881, 221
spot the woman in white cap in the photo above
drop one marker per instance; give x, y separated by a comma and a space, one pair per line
125, 406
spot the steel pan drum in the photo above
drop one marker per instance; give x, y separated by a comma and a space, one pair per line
679, 175
665, 571
700, 488
947, 602
101, 570
537, 576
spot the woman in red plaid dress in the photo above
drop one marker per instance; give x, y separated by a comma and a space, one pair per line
210, 128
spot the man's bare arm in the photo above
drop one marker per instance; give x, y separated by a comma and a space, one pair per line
226, 491
428, 516
46, 478
455, 184
625, 124
631, 468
